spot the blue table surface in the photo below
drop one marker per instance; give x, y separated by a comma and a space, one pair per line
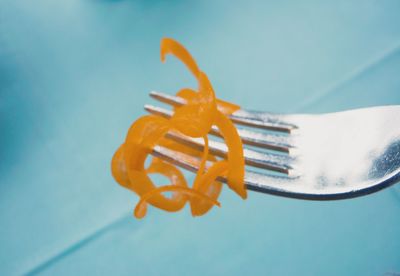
75, 74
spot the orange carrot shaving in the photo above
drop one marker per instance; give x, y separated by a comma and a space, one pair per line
194, 119
140, 210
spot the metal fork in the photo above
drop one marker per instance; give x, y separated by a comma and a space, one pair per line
315, 157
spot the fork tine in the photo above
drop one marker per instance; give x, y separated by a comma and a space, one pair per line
267, 121
253, 181
262, 140
168, 99
276, 162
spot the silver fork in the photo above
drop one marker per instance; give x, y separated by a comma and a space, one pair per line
316, 157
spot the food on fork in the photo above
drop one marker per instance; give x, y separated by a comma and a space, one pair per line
193, 119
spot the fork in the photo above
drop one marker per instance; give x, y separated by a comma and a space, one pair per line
306, 156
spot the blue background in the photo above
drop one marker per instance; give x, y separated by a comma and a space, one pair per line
74, 74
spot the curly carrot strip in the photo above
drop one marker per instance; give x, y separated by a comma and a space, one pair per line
170, 46
174, 175
233, 141
140, 209
226, 108
223, 106
208, 186
194, 119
